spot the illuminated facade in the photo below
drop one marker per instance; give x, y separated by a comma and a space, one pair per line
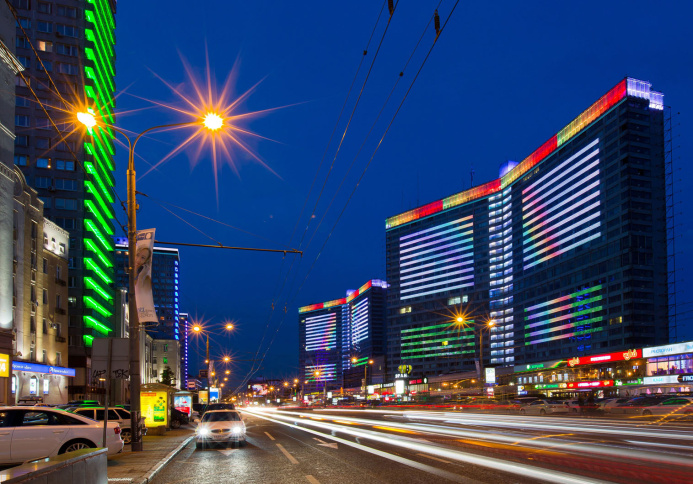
564, 254
75, 40
334, 332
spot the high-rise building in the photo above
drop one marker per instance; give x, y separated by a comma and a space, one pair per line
333, 333
9, 68
72, 171
184, 319
39, 301
165, 273
564, 254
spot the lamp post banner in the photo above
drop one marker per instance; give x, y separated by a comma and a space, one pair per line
143, 276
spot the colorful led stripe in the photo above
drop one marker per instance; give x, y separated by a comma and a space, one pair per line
564, 250
555, 206
99, 87
437, 227
606, 102
559, 308
454, 229
569, 325
351, 297
561, 215
565, 298
563, 336
450, 288
590, 170
564, 239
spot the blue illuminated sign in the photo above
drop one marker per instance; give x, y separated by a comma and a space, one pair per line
36, 368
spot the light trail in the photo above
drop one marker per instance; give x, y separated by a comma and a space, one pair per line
417, 446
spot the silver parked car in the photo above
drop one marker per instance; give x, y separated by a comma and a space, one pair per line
544, 407
115, 414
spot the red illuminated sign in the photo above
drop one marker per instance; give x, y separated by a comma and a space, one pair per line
591, 384
619, 356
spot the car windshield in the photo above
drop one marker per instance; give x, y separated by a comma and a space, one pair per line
221, 417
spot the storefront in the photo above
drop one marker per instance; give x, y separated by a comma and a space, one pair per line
41, 383
669, 369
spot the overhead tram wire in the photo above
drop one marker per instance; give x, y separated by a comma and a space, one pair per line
62, 99
353, 161
279, 289
438, 33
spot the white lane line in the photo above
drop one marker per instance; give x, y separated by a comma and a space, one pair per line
312, 480
655, 444
291, 458
434, 458
268, 435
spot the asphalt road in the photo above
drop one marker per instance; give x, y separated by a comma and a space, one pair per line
370, 446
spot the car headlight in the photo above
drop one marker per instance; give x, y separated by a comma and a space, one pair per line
203, 432
237, 430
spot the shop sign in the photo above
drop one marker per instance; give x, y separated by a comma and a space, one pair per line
658, 380
687, 378
418, 381
36, 368
538, 366
4, 365
622, 383
388, 385
618, 356
590, 384
546, 386
666, 350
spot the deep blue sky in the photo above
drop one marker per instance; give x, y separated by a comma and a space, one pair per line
503, 77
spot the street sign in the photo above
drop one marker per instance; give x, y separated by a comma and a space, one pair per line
204, 373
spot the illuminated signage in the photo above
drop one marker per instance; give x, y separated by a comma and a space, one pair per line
36, 368
687, 378
154, 407
490, 375
399, 387
675, 349
46, 385
548, 386
590, 384
547, 365
618, 356
4, 365
33, 384
658, 380
622, 383
213, 395
418, 381
203, 397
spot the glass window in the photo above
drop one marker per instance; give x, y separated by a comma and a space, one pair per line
64, 11
65, 165
64, 419
45, 7
45, 27
67, 30
43, 163
221, 417
86, 412
112, 415
20, 120
38, 418
20, 160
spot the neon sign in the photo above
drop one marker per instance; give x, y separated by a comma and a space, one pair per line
618, 356
591, 384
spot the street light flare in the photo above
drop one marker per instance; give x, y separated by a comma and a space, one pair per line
229, 326
87, 119
213, 121
197, 328
459, 319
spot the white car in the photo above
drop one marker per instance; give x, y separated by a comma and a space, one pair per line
220, 426
672, 407
117, 414
544, 407
30, 433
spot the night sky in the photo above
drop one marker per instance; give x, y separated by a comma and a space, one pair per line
502, 78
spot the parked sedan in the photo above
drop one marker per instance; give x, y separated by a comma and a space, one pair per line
544, 407
220, 426
29, 433
672, 407
117, 414
634, 406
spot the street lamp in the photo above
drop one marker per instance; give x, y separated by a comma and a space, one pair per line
211, 122
482, 326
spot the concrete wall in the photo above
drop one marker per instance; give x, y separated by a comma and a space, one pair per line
88, 466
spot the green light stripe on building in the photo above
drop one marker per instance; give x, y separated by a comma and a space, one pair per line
92, 266
93, 323
444, 325
94, 286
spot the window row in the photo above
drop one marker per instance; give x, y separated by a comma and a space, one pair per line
47, 163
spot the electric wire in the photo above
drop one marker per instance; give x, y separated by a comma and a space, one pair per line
438, 33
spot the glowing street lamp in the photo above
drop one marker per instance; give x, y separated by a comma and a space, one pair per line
212, 121
227, 359
228, 372
229, 326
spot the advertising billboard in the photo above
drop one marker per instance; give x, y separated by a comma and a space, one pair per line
214, 395
490, 375
154, 408
260, 388
144, 256
4, 365
203, 397
183, 403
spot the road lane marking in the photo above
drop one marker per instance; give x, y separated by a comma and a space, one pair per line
434, 458
312, 480
291, 458
268, 435
331, 445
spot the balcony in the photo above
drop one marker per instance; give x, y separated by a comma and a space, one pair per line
60, 311
60, 339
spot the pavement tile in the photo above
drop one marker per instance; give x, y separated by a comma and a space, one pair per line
136, 467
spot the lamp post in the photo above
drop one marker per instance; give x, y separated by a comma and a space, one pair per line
89, 121
365, 375
488, 325
198, 329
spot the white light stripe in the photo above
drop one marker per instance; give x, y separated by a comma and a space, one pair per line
438, 269
441, 261
554, 207
322, 317
561, 214
555, 245
558, 168
436, 241
591, 167
454, 229
433, 278
436, 291
437, 284
434, 249
446, 224
551, 256
561, 232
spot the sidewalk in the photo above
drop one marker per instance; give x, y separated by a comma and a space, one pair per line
140, 467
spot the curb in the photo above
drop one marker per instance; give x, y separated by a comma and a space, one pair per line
148, 478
